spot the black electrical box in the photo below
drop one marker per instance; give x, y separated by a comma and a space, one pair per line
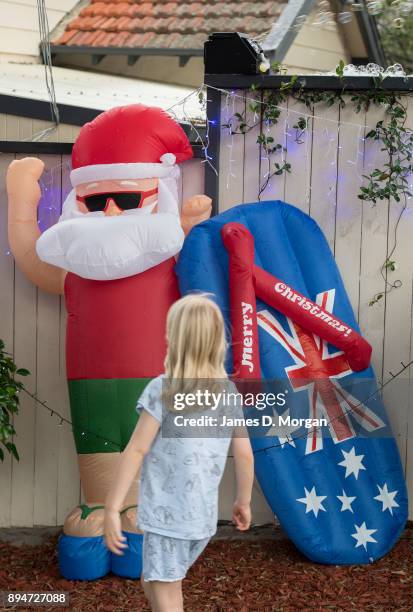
231, 53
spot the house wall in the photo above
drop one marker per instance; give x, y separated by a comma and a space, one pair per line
19, 29
164, 69
317, 48
13, 128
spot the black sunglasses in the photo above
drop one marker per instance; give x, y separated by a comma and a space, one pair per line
125, 200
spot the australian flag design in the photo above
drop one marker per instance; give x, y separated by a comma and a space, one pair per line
338, 491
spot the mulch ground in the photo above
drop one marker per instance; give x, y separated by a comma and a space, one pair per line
236, 576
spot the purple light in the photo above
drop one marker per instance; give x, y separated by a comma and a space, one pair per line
50, 204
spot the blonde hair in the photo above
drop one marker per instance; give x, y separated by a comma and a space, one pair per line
195, 356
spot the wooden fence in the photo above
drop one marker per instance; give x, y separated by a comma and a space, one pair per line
328, 162
43, 486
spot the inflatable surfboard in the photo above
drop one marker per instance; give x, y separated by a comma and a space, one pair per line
338, 490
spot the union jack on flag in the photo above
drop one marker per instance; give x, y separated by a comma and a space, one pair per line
318, 371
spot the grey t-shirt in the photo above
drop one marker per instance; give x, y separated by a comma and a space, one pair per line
178, 493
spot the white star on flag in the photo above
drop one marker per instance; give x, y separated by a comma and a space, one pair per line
386, 497
352, 463
312, 501
363, 535
286, 440
346, 502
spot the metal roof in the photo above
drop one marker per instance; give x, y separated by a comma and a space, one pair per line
97, 91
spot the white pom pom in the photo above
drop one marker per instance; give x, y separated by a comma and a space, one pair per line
168, 159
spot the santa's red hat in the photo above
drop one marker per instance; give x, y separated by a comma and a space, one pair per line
130, 142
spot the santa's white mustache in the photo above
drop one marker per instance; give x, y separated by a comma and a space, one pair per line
102, 247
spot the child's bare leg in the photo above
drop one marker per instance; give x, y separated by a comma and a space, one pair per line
147, 590
167, 596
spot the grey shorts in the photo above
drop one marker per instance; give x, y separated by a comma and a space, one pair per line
168, 559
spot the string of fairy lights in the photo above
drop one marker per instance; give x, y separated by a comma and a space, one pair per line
393, 12
288, 438
234, 101
323, 16
54, 185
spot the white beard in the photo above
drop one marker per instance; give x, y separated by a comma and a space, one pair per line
100, 247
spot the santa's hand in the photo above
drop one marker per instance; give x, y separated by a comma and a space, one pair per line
194, 211
22, 186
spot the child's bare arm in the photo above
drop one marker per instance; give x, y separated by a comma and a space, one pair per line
244, 474
129, 465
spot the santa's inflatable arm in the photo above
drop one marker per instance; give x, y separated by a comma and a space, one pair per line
23, 196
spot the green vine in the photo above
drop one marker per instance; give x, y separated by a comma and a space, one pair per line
386, 183
9, 400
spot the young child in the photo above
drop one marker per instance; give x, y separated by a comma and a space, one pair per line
178, 499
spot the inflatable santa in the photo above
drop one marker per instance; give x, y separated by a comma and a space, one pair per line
112, 254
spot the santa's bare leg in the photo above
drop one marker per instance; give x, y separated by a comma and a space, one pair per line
104, 416
97, 471
85, 522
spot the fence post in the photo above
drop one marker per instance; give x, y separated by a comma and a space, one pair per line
213, 110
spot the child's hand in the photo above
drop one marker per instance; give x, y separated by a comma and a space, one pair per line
241, 516
114, 539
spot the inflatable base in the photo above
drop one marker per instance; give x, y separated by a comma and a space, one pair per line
89, 558
129, 565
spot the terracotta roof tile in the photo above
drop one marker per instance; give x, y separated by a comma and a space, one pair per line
78, 36
109, 25
141, 40
122, 24
121, 38
86, 38
166, 24
66, 36
95, 39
